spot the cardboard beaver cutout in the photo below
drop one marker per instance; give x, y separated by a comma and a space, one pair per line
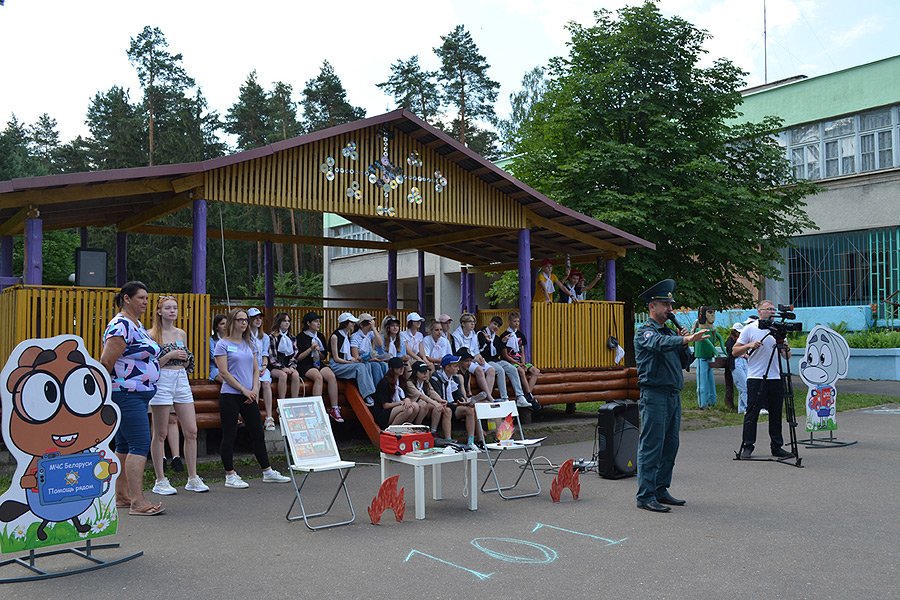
58, 420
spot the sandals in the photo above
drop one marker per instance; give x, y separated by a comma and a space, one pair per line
269, 424
150, 511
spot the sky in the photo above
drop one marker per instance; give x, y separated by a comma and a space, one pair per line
57, 54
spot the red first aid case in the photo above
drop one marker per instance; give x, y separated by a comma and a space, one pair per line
401, 443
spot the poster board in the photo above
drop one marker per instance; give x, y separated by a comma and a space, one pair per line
308, 429
58, 422
826, 359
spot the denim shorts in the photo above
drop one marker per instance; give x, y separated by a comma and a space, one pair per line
133, 436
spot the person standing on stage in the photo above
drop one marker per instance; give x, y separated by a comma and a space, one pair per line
661, 355
764, 387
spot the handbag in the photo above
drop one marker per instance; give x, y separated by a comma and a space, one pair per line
612, 342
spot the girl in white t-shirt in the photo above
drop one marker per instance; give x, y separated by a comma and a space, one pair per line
412, 337
435, 346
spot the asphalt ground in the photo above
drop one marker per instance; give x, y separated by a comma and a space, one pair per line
749, 530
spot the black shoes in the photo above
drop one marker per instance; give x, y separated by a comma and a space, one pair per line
177, 466
654, 506
780, 453
746, 452
668, 499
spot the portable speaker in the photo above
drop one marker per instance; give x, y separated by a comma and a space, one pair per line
90, 267
617, 439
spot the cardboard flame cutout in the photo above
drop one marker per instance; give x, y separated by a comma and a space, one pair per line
505, 430
388, 497
567, 477
826, 360
58, 420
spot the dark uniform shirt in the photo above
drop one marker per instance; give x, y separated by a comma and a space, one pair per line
660, 356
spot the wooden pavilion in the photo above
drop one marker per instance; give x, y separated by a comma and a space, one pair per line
393, 174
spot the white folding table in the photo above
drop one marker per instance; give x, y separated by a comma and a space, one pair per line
435, 460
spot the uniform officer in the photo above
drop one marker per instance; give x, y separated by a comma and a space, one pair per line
661, 355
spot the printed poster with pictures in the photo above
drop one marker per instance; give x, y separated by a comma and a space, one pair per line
825, 361
308, 429
58, 422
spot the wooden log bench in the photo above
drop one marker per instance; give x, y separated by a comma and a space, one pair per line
605, 384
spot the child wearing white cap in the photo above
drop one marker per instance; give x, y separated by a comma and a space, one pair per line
412, 337
342, 362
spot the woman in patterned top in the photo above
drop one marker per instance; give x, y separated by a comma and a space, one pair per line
173, 391
129, 354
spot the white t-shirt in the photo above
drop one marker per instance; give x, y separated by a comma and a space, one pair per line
759, 358
363, 341
512, 342
471, 342
438, 349
412, 341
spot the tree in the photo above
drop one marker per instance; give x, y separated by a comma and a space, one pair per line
534, 84
632, 132
16, 159
45, 142
117, 138
248, 117
413, 89
464, 80
325, 102
282, 111
483, 141
158, 71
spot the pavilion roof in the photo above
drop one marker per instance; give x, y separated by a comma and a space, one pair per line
474, 217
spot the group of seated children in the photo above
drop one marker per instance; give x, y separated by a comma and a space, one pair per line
402, 375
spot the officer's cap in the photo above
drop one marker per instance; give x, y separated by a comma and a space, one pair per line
662, 292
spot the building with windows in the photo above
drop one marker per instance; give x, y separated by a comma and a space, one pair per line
842, 132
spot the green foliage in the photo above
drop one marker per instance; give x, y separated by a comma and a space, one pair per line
632, 132
413, 89
505, 289
117, 135
16, 159
325, 102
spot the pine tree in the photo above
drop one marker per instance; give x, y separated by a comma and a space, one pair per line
160, 74
464, 80
248, 118
325, 102
117, 131
413, 89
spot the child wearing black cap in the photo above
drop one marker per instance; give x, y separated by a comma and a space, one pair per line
419, 389
450, 386
392, 406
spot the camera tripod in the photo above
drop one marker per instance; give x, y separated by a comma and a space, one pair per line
790, 414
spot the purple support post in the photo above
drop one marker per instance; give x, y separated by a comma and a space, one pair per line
269, 260
121, 258
34, 263
463, 283
610, 280
392, 282
198, 272
421, 282
84, 240
470, 292
6, 256
525, 288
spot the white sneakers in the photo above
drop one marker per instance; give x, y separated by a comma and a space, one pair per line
521, 402
234, 481
273, 476
195, 484
164, 488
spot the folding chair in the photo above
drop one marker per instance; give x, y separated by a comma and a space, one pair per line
310, 448
500, 410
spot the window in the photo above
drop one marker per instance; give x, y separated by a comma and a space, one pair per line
846, 145
351, 232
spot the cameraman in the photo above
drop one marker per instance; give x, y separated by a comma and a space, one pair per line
764, 387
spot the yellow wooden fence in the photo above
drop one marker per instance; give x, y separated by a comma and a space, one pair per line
570, 336
329, 315
45, 311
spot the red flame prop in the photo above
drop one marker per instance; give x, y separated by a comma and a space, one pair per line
506, 429
566, 478
388, 497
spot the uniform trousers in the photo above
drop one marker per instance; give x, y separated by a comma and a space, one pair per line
660, 422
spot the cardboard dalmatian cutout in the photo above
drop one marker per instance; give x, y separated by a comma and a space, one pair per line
58, 421
825, 361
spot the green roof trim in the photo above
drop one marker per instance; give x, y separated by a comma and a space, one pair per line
840, 93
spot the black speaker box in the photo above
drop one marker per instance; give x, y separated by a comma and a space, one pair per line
617, 439
90, 267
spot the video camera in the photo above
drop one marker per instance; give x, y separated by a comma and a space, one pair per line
778, 324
